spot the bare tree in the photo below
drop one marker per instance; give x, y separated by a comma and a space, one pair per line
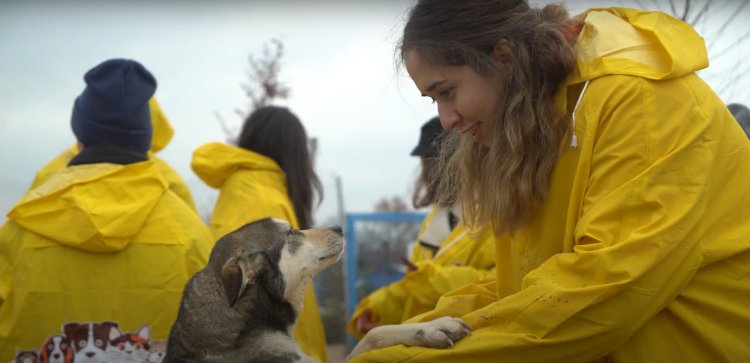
262, 86
393, 204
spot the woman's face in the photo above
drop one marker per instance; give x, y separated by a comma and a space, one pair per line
465, 100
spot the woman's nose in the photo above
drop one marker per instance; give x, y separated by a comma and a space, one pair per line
449, 118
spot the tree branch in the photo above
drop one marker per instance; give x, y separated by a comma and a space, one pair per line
673, 7
726, 24
701, 13
687, 10
732, 46
229, 133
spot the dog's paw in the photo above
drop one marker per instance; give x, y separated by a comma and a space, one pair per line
441, 332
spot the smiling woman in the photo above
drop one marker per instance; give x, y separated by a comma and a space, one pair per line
498, 87
465, 100
602, 163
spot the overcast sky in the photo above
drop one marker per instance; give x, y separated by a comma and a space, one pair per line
339, 63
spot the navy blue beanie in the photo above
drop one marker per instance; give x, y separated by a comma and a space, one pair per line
113, 108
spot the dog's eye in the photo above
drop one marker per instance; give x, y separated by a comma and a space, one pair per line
98, 342
50, 347
63, 346
81, 343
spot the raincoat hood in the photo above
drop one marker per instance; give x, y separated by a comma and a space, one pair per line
651, 45
214, 162
631, 42
162, 129
101, 207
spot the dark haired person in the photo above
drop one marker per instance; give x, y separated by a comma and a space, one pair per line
446, 256
614, 177
268, 174
103, 239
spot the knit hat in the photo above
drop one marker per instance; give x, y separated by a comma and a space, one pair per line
113, 108
429, 139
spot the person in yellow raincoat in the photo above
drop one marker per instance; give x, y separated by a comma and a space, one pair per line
615, 178
162, 134
446, 255
102, 241
268, 174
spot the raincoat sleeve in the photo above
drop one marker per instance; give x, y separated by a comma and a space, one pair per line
432, 280
648, 163
386, 303
418, 292
472, 259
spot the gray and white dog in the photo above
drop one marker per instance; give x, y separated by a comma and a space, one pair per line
243, 305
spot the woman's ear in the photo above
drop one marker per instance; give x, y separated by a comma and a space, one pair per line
502, 52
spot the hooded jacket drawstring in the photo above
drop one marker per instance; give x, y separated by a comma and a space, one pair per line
574, 138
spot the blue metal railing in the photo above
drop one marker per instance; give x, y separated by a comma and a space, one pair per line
351, 250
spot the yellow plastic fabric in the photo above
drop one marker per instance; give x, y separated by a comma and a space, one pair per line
460, 260
642, 250
253, 187
162, 129
96, 242
162, 134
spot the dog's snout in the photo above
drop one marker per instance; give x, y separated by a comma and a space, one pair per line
338, 230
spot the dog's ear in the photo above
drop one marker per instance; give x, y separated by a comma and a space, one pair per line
144, 332
238, 273
70, 329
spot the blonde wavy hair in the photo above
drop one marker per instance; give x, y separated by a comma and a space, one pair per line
503, 185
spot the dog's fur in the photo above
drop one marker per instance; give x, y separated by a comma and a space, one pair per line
243, 305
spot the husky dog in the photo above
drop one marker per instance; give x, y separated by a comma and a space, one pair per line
243, 305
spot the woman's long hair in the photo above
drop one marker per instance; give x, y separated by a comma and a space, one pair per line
504, 185
425, 185
277, 133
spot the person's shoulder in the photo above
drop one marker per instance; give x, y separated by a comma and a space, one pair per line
620, 88
170, 206
253, 182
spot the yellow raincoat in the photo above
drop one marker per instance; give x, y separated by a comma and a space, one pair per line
162, 134
253, 187
642, 250
460, 260
96, 242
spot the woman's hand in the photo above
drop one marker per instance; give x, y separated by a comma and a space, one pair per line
364, 322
